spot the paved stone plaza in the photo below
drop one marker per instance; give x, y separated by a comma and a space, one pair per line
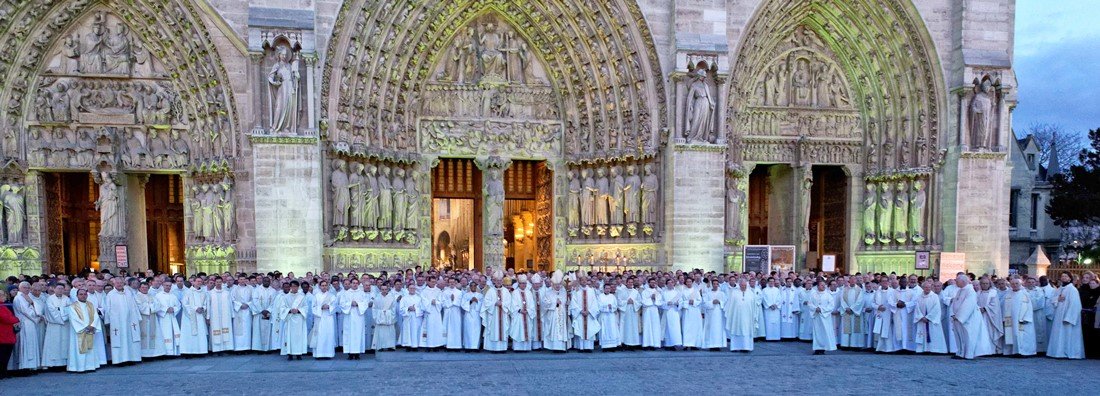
772, 368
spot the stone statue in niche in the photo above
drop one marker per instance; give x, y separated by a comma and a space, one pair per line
588, 201
355, 195
603, 198
341, 194
916, 212
615, 201
870, 208
385, 202
981, 116
12, 197
283, 80
371, 200
195, 202
573, 204
807, 187
650, 190
212, 221
901, 212
109, 206
700, 110
885, 210
227, 213
494, 203
631, 199
400, 202
413, 207
735, 205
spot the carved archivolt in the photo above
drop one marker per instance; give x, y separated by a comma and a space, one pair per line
75, 74
592, 67
854, 70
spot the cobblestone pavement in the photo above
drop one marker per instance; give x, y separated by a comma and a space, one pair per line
786, 367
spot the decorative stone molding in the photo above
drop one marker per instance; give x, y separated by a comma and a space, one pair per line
345, 260
614, 257
275, 139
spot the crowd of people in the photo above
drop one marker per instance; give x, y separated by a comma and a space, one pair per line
81, 323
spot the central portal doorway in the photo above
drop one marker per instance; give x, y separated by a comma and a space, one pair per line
456, 215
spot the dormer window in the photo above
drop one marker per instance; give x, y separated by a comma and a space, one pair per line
1031, 161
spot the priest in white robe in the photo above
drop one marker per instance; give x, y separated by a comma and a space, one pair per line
354, 304
292, 313
714, 320
1038, 307
324, 323
741, 321
221, 317
433, 328
927, 315
120, 313
1019, 321
411, 309
523, 324
471, 318
84, 322
495, 315
870, 314
584, 307
278, 327
55, 349
789, 311
27, 353
194, 337
452, 315
651, 328
891, 326
554, 301
946, 296
822, 304
993, 322
851, 316
1066, 339
691, 315
771, 301
630, 314
260, 306
609, 336
151, 345
167, 306
242, 314
384, 314
537, 289
966, 319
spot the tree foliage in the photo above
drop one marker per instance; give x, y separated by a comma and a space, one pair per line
1075, 199
1069, 144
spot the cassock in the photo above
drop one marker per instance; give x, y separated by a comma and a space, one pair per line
1038, 307
27, 352
433, 318
869, 316
292, 314
354, 305
97, 300
221, 320
652, 330
890, 326
167, 325
772, 301
82, 345
805, 317
822, 304
928, 317
789, 312
242, 317
949, 293
471, 320
851, 333
120, 312
1019, 323
557, 331
1066, 339
741, 322
609, 315
411, 309
323, 336
584, 308
673, 333
262, 300
903, 317
194, 338
278, 328
714, 321
630, 316
967, 321
151, 345
691, 318
992, 323
452, 317
494, 315
384, 314
523, 325
55, 348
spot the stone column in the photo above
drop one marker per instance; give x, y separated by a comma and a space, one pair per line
492, 206
695, 203
311, 96
804, 197
137, 240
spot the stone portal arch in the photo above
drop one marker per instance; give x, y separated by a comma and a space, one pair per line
119, 90
852, 83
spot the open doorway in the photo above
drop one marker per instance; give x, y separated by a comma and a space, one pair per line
771, 205
164, 223
456, 215
828, 225
528, 217
72, 221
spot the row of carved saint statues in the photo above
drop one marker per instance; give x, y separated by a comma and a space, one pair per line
612, 201
374, 201
893, 212
212, 211
12, 197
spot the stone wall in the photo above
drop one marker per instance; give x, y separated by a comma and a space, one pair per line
287, 182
